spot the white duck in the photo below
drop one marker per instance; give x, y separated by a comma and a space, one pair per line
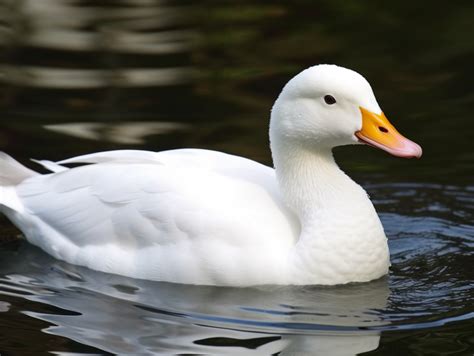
204, 217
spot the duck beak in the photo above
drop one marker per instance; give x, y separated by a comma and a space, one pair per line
378, 132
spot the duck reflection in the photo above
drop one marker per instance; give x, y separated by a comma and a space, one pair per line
123, 315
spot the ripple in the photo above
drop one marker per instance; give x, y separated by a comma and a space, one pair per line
66, 29
431, 251
129, 133
93, 78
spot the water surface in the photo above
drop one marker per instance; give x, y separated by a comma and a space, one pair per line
83, 76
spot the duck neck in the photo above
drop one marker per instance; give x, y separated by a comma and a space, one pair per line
310, 180
341, 236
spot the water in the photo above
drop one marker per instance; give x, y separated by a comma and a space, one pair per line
83, 76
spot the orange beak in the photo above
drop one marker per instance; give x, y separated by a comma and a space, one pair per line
378, 132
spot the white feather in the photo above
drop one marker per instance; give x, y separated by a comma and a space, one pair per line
205, 217
155, 210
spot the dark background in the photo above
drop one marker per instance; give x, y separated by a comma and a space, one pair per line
79, 76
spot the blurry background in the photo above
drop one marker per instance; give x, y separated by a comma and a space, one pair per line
78, 76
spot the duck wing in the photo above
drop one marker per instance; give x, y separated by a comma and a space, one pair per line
136, 199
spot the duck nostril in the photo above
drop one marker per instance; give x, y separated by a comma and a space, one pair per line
383, 129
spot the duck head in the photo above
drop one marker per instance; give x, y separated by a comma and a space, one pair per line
327, 106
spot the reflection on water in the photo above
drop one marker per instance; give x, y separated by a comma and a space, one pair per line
126, 133
92, 78
118, 314
78, 76
144, 28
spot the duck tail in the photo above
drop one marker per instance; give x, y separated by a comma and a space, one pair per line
11, 174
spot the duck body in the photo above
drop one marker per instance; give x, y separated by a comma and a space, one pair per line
188, 216
203, 217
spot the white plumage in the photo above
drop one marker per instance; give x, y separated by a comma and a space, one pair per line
204, 217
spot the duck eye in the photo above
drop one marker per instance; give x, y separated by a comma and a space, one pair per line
329, 99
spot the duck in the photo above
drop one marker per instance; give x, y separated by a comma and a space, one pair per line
196, 216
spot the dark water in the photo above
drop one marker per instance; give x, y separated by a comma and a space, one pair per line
83, 76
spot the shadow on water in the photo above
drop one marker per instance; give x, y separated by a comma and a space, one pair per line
82, 76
